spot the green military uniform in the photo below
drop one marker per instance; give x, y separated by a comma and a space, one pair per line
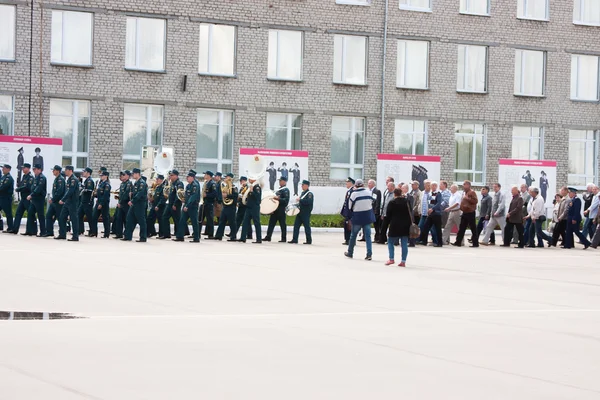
252, 213
123, 209
86, 202
192, 203
172, 210
157, 209
69, 209
137, 212
7, 188
24, 190
279, 214
54, 208
102, 207
228, 215
303, 218
37, 204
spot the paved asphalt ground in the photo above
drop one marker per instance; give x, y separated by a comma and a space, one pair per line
166, 320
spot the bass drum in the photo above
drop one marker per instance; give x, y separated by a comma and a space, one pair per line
269, 203
292, 210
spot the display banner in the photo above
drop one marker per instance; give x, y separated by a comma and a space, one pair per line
17, 150
538, 173
406, 167
292, 164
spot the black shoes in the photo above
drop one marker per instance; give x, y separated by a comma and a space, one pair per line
125, 240
195, 241
60, 238
348, 254
266, 239
177, 240
307, 243
73, 240
293, 242
257, 242
368, 258
141, 240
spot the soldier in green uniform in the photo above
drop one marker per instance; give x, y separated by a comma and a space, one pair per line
190, 209
305, 203
54, 208
283, 195
173, 209
252, 212
228, 212
241, 211
138, 206
69, 201
86, 199
102, 206
37, 200
157, 206
123, 204
7, 188
25, 190
210, 196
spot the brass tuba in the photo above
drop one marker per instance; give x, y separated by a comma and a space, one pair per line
151, 192
167, 190
226, 190
181, 194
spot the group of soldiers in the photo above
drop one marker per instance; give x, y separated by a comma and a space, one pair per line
74, 200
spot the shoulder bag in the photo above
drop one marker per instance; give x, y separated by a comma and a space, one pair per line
414, 231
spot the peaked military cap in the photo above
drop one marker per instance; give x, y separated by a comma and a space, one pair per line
351, 180
192, 173
219, 174
57, 168
88, 170
229, 175
160, 176
37, 166
174, 172
243, 178
136, 171
305, 182
69, 167
26, 165
209, 173
572, 189
283, 178
7, 166
105, 173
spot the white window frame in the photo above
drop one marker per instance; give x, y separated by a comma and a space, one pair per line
594, 143
578, 73
62, 36
289, 128
137, 66
521, 92
523, 4
467, 4
473, 160
343, 81
354, 2
405, 5
277, 76
401, 72
530, 139
210, 46
353, 168
12, 114
578, 20
220, 161
413, 134
465, 72
149, 121
74, 154
14, 37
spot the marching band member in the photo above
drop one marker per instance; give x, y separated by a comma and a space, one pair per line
69, 201
157, 206
305, 202
252, 212
209, 194
173, 210
228, 211
283, 195
25, 190
86, 200
54, 208
37, 200
241, 211
138, 205
102, 206
7, 187
190, 209
123, 204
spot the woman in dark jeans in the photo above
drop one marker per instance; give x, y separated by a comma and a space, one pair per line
398, 218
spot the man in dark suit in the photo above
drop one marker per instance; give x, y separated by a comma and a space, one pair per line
514, 219
376, 194
434, 216
346, 210
574, 222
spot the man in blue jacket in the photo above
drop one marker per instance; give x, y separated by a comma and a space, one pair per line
360, 205
574, 221
434, 216
346, 210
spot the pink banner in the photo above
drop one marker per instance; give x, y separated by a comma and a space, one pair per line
31, 140
408, 157
527, 163
273, 153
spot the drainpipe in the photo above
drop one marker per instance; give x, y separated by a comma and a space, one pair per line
41, 123
30, 66
385, 29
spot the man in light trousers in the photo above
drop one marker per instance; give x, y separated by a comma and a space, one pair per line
453, 212
498, 215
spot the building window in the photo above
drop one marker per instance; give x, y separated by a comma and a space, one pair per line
7, 115
350, 60
472, 69
142, 126
470, 153
583, 157
214, 141
285, 55
72, 37
477, 7
530, 72
586, 12
145, 48
7, 32
410, 137
584, 77
413, 64
533, 9
347, 147
70, 121
527, 143
217, 50
284, 131
355, 2
415, 5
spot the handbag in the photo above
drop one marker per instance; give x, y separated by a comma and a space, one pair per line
414, 230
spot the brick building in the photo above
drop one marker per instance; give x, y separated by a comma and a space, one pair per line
470, 80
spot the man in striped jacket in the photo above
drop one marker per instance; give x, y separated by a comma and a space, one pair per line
360, 205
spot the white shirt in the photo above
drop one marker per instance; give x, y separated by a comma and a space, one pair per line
538, 208
455, 198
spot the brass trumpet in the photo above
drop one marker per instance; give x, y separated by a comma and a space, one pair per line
116, 193
226, 190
